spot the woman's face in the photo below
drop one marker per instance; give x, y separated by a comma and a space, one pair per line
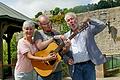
28, 31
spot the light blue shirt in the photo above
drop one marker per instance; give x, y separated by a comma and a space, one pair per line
84, 46
78, 46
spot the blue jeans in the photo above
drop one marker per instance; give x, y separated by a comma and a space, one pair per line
25, 76
53, 76
84, 71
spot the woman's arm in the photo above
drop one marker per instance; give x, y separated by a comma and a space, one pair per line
47, 58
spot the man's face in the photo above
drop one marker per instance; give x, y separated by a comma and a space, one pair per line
72, 22
45, 24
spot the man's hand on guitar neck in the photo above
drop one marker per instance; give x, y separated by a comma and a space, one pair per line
67, 43
57, 37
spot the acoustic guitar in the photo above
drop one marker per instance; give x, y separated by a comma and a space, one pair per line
45, 68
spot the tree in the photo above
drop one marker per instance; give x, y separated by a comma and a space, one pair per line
52, 12
79, 9
117, 2
65, 10
95, 6
103, 4
5, 53
111, 3
38, 14
13, 47
57, 10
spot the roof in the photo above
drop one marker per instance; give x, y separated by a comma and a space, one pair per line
7, 12
12, 16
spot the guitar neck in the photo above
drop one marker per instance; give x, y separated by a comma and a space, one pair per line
59, 48
75, 33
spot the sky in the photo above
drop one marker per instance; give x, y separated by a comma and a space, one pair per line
31, 7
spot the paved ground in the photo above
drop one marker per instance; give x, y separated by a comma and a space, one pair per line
109, 78
116, 77
68, 78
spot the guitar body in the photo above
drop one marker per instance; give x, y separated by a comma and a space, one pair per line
46, 68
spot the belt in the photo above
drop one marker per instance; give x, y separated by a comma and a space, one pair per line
84, 62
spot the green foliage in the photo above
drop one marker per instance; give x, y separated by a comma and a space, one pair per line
60, 22
52, 12
79, 9
5, 52
13, 47
38, 14
65, 70
117, 2
65, 10
103, 4
57, 18
35, 19
55, 11
64, 28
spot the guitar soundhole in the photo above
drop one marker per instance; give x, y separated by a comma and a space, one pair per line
52, 62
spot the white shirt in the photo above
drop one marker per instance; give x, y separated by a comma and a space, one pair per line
78, 46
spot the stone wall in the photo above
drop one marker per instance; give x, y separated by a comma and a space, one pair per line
104, 40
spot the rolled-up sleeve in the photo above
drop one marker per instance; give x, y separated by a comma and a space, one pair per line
22, 47
37, 36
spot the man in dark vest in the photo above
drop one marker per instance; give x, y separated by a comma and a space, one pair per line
42, 39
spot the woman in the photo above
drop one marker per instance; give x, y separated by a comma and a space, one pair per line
26, 49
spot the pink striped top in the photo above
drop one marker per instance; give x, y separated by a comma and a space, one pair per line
23, 63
